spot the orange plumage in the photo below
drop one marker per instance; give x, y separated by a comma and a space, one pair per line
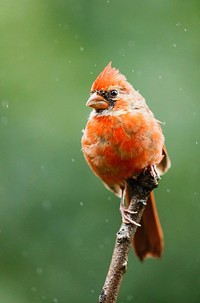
120, 140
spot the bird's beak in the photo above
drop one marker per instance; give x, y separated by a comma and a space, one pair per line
97, 102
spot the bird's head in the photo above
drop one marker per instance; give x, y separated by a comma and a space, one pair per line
110, 90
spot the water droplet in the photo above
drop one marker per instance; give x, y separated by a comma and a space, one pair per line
178, 24
81, 203
73, 160
34, 289
46, 204
39, 271
185, 29
108, 1
55, 300
82, 49
132, 70
129, 298
4, 104
92, 291
69, 61
107, 220
174, 44
196, 142
168, 190
59, 24
159, 77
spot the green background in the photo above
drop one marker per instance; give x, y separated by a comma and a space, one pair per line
57, 221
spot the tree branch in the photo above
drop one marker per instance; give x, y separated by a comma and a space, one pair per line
140, 190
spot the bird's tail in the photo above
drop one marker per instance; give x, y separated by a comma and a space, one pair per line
148, 239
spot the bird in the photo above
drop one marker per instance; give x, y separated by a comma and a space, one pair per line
121, 139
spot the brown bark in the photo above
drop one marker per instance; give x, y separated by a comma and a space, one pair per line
140, 190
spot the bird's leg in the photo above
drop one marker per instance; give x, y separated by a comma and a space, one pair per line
124, 211
154, 172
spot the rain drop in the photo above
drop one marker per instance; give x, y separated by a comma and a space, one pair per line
129, 298
82, 49
174, 44
4, 104
81, 203
46, 204
39, 271
34, 289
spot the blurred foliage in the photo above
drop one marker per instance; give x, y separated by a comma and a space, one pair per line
57, 221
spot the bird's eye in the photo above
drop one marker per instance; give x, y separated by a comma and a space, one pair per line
113, 93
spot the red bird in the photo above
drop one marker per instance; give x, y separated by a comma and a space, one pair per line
120, 140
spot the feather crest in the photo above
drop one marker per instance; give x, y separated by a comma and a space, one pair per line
110, 76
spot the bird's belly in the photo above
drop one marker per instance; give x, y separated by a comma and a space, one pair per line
114, 163
117, 153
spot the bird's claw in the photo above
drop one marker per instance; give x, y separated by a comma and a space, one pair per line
126, 219
154, 172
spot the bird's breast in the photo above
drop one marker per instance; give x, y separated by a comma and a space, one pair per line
118, 147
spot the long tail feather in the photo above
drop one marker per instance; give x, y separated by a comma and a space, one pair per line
148, 240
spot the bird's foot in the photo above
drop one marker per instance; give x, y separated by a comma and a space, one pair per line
154, 172
125, 218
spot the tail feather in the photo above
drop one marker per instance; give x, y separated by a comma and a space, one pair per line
148, 240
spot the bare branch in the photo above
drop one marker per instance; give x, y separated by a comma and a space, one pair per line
140, 190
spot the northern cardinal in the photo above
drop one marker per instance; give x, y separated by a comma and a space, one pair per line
120, 140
